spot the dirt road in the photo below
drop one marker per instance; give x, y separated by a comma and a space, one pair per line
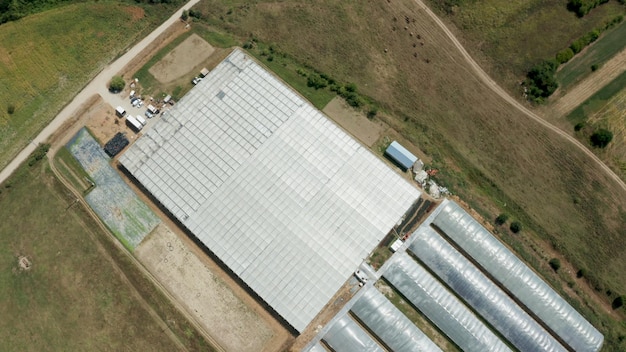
585, 89
96, 86
504, 95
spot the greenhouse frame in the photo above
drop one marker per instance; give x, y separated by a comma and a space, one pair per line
479, 292
345, 335
520, 280
441, 306
391, 326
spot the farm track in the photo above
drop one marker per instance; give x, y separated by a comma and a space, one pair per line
145, 305
484, 77
139, 266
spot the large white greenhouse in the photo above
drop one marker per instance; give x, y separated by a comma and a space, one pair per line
280, 194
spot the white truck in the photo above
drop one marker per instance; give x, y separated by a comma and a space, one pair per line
141, 120
133, 123
120, 112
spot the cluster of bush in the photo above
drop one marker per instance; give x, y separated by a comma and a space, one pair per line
541, 82
347, 91
515, 226
582, 7
38, 154
190, 13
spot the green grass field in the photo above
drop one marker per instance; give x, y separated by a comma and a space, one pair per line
489, 154
72, 298
600, 52
511, 36
46, 58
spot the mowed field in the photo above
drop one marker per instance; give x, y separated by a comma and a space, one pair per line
491, 155
508, 37
72, 298
46, 58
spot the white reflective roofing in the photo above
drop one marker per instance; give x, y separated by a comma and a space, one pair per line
391, 326
285, 198
441, 306
517, 278
487, 299
347, 336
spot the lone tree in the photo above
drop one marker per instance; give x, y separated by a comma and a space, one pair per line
618, 302
501, 219
601, 138
185, 15
555, 264
117, 84
515, 227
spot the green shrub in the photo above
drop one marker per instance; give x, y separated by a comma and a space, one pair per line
316, 81
117, 84
11, 109
185, 15
564, 55
555, 264
618, 302
579, 126
601, 138
515, 227
582, 273
38, 154
541, 81
502, 219
372, 112
594, 67
582, 7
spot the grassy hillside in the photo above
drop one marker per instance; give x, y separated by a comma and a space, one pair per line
491, 155
511, 36
45, 59
72, 298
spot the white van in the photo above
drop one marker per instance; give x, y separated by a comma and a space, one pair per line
141, 120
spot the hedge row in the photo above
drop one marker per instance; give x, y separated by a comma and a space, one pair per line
541, 82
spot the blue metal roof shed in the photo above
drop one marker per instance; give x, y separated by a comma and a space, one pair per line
402, 156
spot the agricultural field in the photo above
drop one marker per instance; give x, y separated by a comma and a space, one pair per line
171, 69
489, 154
605, 109
74, 290
600, 52
127, 216
510, 37
46, 58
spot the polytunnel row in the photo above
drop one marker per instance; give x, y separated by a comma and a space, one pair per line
440, 306
480, 293
523, 283
345, 335
387, 322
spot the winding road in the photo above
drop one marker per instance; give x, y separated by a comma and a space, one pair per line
504, 95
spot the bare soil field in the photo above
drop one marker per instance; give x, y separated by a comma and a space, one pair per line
566, 101
178, 62
365, 130
104, 124
234, 325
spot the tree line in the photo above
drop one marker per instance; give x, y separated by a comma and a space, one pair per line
541, 81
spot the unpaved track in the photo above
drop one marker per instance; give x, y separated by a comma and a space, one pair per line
504, 95
96, 86
142, 302
585, 89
